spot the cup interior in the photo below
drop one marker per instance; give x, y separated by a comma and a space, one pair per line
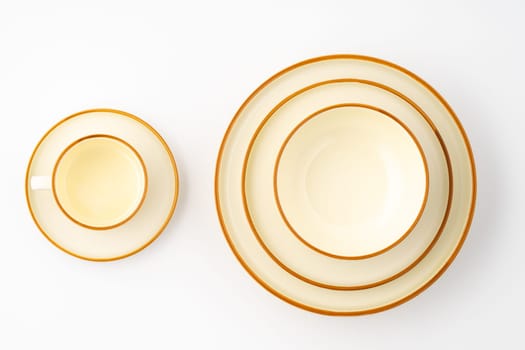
350, 181
99, 181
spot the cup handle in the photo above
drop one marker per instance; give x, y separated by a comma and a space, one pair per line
40, 183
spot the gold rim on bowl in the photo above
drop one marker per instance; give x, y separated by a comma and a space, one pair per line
278, 201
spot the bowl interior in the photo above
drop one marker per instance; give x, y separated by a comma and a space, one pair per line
350, 180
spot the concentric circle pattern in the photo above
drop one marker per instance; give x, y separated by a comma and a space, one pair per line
285, 228
149, 213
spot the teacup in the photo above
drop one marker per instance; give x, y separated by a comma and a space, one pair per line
99, 181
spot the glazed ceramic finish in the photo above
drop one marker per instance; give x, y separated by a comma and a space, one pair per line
154, 213
351, 180
260, 264
100, 181
278, 239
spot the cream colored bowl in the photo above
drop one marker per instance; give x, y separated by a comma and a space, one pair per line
286, 247
351, 180
102, 184
231, 165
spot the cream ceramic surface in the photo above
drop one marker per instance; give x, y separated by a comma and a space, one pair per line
155, 211
351, 180
278, 239
100, 181
256, 260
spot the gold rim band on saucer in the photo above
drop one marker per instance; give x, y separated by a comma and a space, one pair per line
126, 219
172, 164
258, 236
465, 223
276, 169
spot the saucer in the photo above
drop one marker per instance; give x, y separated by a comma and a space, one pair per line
258, 262
136, 155
285, 246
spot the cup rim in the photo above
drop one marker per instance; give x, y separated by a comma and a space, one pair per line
144, 187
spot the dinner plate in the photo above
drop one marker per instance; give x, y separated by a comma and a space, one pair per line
297, 256
74, 198
254, 257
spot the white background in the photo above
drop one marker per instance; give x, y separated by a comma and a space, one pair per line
186, 67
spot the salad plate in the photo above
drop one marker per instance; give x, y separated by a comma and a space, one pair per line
284, 245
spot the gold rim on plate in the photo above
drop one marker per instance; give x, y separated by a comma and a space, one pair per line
276, 170
366, 285
172, 166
